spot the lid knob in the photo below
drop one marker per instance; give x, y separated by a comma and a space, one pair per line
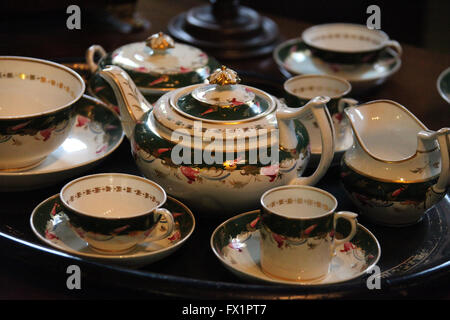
160, 42
224, 76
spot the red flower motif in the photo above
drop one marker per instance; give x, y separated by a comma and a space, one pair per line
190, 173
46, 133
235, 102
20, 125
338, 117
177, 214
159, 80
50, 235
279, 239
254, 222
120, 229
82, 121
141, 69
185, 70
102, 149
55, 206
310, 229
162, 150
98, 89
398, 191
175, 236
207, 111
348, 246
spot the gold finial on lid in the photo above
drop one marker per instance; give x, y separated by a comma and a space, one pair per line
160, 42
224, 76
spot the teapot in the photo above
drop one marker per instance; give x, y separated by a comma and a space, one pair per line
396, 168
156, 65
219, 146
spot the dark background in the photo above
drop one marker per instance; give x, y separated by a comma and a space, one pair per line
424, 23
421, 23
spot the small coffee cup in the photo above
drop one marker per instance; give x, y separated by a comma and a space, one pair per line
114, 212
36, 109
300, 89
298, 232
346, 43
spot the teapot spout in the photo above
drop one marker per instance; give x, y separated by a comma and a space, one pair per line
132, 104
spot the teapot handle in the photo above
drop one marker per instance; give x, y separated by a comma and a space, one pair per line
443, 136
90, 56
316, 106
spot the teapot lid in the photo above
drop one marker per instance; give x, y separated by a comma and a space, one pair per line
160, 64
222, 108
223, 100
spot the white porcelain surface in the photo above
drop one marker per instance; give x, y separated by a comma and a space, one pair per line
307, 257
125, 198
387, 143
61, 237
358, 37
242, 257
48, 86
180, 59
84, 148
362, 77
35, 99
215, 187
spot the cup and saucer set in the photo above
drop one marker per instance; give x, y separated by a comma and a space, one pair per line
297, 236
366, 58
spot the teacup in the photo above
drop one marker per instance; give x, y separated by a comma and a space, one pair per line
298, 232
114, 212
36, 109
300, 89
346, 43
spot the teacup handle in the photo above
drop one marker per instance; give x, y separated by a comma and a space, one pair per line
343, 102
350, 217
170, 224
90, 56
395, 45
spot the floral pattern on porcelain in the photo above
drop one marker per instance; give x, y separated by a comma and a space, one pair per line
236, 243
387, 202
150, 148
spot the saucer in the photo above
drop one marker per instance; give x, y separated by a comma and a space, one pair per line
49, 224
236, 244
96, 133
294, 58
443, 84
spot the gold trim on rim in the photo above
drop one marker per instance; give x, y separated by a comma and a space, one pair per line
54, 65
358, 138
389, 180
325, 76
128, 176
187, 90
327, 194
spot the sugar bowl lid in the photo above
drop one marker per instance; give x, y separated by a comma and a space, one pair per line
223, 100
159, 63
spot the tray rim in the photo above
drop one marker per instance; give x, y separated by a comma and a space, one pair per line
224, 290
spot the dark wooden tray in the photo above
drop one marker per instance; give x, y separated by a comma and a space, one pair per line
413, 259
